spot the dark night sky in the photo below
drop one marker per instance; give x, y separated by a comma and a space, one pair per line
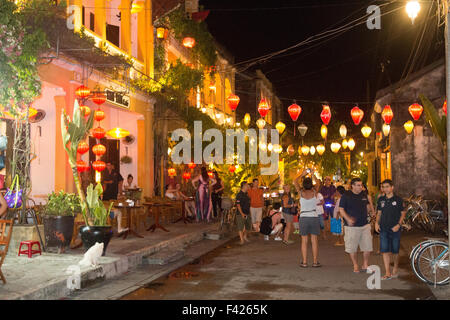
338, 70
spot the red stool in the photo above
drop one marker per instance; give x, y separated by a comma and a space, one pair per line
29, 250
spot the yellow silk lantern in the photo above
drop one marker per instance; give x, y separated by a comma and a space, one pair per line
366, 131
351, 144
261, 123
409, 126
247, 119
344, 144
320, 149
280, 126
305, 150
335, 147
312, 150
324, 131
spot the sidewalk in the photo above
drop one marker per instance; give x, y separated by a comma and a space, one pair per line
44, 277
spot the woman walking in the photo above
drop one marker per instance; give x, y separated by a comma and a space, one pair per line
309, 219
216, 195
289, 211
203, 195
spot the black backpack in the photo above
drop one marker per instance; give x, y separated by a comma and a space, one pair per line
266, 225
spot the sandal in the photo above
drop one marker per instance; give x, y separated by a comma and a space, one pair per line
304, 265
316, 265
386, 278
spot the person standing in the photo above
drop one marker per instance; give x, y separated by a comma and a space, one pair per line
216, 194
203, 195
390, 215
353, 207
321, 214
243, 213
289, 211
328, 191
112, 182
340, 190
256, 204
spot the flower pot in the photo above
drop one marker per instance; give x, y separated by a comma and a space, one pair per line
58, 231
92, 234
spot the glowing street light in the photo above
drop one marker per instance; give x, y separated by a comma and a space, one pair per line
412, 9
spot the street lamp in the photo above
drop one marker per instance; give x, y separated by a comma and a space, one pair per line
412, 9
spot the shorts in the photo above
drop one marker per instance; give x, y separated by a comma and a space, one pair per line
321, 221
277, 229
309, 225
390, 241
241, 223
288, 218
358, 236
256, 214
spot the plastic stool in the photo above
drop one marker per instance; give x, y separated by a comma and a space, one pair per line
29, 250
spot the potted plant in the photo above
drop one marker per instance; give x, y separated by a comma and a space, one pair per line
58, 218
92, 208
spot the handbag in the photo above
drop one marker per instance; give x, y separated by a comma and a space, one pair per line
14, 197
335, 226
3, 143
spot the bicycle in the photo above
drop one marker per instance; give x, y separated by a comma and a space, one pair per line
429, 262
227, 214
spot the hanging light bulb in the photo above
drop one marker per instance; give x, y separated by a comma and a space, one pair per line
261, 123
386, 129
335, 147
323, 131
344, 144
320, 149
412, 9
247, 119
366, 131
343, 130
409, 126
312, 150
351, 144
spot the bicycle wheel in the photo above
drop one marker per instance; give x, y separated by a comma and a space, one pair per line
415, 251
432, 264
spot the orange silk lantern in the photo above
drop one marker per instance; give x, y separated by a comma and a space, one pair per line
232, 169
83, 147
357, 115
172, 172
415, 110
99, 165
99, 133
99, 98
387, 114
325, 115
81, 166
85, 110
186, 175
294, 111
82, 92
444, 107
211, 174
233, 101
191, 165
99, 149
189, 42
263, 107
99, 115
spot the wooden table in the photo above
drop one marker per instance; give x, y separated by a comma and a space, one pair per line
183, 211
130, 229
156, 211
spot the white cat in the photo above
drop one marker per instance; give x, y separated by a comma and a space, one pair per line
92, 255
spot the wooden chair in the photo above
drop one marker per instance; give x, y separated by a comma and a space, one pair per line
5, 238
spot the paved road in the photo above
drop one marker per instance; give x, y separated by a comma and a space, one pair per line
270, 270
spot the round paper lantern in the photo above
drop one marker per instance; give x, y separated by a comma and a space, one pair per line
189, 42
387, 114
81, 166
294, 111
261, 123
82, 147
191, 165
386, 129
444, 107
280, 126
99, 149
99, 115
290, 150
320, 149
357, 115
82, 92
409, 126
118, 133
233, 101
263, 108
415, 110
312, 150
98, 166
343, 130
325, 115
171, 172
335, 147
98, 133
85, 110
344, 144
247, 119
323, 131
351, 144
305, 150
366, 131
99, 98
186, 175
232, 168
302, 128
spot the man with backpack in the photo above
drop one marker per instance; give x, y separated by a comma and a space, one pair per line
272, 225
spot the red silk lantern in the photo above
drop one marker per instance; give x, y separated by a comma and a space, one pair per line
85, 110
294, 111
263, 107
99, 98
325, 115
211, 174
232, 169
189, 42
186, 175
82, 91
415, 110
98, 133
444, 107
357, 115
83, 147
387, 114
99, 149
233, 101
82, 166
99, 115
191, 165
99, 165
172, 172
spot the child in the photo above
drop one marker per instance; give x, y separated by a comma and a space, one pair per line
339, 192
296, 224
277, 226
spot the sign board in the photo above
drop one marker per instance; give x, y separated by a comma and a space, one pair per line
118, 98
191, 6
